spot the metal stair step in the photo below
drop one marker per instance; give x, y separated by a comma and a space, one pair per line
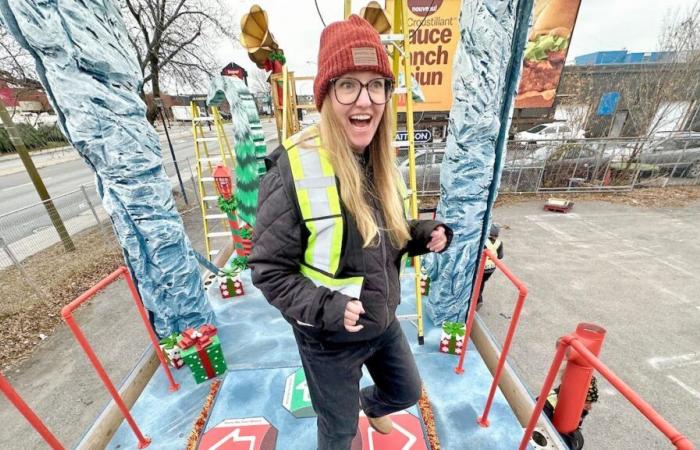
207, 178
211, 159
207, 139
211, 198
219, 234
202, 119
215, 216
392, 38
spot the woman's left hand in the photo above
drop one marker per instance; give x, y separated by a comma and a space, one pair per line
438, 240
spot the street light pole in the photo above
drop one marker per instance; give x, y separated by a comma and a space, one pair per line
159, 105
17, 142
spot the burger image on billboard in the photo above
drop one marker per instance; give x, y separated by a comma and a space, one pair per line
545, 53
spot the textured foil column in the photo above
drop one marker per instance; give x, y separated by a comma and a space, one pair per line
484, 78
91, 76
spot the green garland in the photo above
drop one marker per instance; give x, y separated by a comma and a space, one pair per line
228, 205
239, 263
277, 56
245, 233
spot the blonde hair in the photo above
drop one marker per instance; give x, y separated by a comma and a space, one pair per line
352, 178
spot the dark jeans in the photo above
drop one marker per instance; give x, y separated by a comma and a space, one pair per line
333, 373
487, 275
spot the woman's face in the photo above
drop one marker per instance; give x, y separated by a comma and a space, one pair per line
360, 118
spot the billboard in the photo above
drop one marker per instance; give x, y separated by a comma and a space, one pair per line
432, 50
552, 24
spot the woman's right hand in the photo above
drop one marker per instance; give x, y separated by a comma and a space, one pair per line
353, 309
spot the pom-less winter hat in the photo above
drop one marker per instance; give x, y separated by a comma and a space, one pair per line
351, 45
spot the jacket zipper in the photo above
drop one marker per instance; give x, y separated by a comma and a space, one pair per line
386, 276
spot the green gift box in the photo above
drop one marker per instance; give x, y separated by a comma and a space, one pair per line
452, 338
202, 353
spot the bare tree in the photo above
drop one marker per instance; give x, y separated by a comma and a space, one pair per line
258, 82
654, 95
174, 40
16, 65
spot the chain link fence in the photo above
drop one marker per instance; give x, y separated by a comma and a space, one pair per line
577, 165
30, 229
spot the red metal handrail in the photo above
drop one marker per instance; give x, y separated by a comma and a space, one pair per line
673, 435
28, 414
522, 294
67, 313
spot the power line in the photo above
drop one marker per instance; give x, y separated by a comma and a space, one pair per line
319, 13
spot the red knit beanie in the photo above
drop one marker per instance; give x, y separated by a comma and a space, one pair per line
351, 45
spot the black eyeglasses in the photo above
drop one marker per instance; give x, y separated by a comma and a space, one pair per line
347, 90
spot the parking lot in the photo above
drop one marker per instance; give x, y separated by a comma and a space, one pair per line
636, 272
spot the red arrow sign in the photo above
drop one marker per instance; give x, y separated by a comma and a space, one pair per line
253, 433
407, 435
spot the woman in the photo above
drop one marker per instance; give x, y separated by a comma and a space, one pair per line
330, 235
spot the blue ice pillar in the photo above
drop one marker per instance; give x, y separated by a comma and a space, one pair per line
91, 76
484, 78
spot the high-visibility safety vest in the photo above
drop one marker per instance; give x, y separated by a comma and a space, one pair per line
493, 246
319, 203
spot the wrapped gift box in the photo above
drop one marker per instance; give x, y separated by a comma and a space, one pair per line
201, 352
231, 287
171, 351
452, 338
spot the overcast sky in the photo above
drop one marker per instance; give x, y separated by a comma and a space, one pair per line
602, 25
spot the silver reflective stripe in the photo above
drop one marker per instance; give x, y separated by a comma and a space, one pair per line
318, 197
350, 289
315, 182
324, 242
311, 162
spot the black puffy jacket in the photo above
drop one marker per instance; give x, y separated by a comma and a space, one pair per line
279, 241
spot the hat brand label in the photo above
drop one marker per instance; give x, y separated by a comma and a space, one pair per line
365, 56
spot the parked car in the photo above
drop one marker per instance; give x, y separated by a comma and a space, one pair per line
549, 131
680, 155
428, 163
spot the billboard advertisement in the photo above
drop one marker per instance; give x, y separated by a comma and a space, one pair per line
432, 50
548, 43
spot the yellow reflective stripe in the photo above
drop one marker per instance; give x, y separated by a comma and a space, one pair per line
311, 245
331, 283
295, 163
323, 250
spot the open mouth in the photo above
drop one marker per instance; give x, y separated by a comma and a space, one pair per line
360, 120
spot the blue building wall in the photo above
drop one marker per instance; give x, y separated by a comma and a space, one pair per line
622, 57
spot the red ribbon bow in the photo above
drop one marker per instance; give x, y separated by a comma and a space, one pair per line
201, 339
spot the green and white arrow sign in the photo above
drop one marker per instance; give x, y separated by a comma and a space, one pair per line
296, 395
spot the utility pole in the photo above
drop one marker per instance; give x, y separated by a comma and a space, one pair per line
16, 140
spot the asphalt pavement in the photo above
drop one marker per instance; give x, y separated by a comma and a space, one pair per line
635, 272
64, 171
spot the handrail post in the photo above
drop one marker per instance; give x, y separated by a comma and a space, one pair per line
576, 379
562, 345
472, 311
484, 419
67, 314
28, 414
151, 334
